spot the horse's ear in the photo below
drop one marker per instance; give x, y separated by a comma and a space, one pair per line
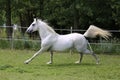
35, 19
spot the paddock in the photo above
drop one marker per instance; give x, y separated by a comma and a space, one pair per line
63, 68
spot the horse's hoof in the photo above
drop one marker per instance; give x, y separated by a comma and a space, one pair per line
97, 63
26, 62
77, 62
49, 63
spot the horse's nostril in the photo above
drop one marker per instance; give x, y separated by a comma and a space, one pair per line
29, 31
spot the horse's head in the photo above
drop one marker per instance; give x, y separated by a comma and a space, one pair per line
33, 27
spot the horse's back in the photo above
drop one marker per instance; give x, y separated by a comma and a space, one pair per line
76, 38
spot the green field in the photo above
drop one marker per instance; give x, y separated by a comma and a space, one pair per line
12, 66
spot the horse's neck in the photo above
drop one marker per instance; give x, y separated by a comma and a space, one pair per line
44, 32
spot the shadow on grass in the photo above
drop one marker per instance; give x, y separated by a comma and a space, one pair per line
71, 65
6, 66
14, 68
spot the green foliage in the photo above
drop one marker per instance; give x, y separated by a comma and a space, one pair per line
19, 44
65, 13
106, 47
5, 44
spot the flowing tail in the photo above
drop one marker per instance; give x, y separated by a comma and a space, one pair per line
94, 31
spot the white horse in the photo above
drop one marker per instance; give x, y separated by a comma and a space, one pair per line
52, 41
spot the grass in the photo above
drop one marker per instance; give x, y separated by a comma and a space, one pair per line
13, 68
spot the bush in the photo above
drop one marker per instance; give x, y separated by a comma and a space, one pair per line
5, 44
102, 47
108, 47
19, 44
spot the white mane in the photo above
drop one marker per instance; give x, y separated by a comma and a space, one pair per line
47, 26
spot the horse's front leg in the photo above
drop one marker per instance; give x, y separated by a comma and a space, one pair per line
30, 59
51, 58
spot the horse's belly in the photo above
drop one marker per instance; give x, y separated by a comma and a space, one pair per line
62, 45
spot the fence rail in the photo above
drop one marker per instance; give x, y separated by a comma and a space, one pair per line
17, 36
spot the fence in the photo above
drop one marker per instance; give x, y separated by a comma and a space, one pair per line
19, 41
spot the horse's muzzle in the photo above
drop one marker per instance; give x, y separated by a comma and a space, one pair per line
29, 31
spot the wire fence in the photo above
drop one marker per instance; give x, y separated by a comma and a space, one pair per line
18, 40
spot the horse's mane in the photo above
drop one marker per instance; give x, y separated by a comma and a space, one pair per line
47, 26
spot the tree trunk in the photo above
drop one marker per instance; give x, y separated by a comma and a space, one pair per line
76, 18
9, 29
41, 7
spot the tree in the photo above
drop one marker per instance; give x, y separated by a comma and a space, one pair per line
25, 10
8, 18
115, 6
63, 13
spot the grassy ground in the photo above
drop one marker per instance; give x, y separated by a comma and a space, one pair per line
13, 68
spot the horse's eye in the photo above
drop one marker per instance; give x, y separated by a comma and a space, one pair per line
33, 24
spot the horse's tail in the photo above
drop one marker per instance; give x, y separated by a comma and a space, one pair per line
93, 31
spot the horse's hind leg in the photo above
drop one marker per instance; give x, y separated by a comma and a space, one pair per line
91, 52
80, 59
94, 55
